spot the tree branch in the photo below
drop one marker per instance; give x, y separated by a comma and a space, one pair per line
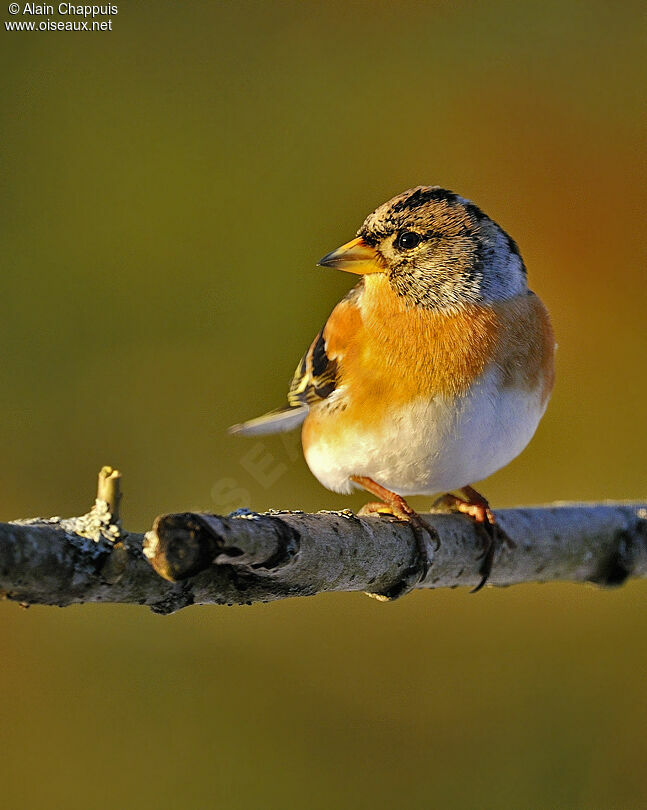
194, 558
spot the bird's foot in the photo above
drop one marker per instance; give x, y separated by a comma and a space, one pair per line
477, 507
396, 506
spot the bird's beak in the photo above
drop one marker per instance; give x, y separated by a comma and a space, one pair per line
354, 257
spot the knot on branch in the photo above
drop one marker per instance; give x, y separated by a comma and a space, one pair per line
183, 545
622, 555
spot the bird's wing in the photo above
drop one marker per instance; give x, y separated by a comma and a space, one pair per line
316, 376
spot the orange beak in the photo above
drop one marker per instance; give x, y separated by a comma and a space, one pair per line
354, 257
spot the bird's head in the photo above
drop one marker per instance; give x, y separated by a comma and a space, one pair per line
436, 250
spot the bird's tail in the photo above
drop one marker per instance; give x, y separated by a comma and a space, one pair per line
278, 421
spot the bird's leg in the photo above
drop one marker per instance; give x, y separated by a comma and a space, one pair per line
393, 504
478, 508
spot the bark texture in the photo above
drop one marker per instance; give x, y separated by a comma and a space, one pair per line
194, 558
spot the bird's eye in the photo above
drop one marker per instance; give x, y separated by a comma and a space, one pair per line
407, 240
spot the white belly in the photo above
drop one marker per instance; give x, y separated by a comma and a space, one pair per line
436, 445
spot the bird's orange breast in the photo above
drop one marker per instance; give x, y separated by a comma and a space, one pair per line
390, 352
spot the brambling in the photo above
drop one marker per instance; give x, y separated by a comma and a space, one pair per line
435, 369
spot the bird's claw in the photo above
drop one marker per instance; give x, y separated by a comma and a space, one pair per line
493, 537
420, 566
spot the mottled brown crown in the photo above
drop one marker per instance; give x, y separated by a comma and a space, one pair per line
457, 254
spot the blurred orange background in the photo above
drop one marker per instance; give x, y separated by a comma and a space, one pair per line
168, 188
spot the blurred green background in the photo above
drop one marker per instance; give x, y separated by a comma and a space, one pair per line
167, 190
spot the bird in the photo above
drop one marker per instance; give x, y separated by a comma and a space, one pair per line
432, 373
